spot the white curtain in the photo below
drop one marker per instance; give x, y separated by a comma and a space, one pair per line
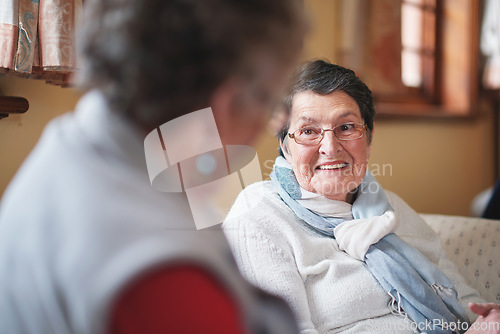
490, 44
37, 39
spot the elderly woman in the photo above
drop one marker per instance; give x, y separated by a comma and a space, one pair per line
346, 255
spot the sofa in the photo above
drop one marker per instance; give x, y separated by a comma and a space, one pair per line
473, 244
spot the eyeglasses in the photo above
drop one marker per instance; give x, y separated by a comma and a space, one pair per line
311, 135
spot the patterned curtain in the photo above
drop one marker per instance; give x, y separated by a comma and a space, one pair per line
37, 39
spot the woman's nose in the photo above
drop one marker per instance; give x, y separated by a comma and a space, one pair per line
330, 144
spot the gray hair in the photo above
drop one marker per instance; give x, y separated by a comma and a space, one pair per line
156, 60
323, 78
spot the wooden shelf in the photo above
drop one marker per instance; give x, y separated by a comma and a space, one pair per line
12, 105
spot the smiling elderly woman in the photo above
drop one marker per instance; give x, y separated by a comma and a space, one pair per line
345, 254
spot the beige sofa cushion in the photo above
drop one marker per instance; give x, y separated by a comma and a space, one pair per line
473, 244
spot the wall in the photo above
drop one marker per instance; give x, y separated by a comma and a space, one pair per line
19, 133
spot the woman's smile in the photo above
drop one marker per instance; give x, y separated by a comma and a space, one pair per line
333, 166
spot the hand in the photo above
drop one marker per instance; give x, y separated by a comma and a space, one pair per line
488, 321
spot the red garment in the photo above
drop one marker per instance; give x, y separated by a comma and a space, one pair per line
181, 299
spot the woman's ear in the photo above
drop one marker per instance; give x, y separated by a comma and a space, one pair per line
226, 116
370, 142
285, 151
370, 139
221, 102
238, 120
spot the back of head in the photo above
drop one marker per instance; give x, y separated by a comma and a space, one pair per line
156, 60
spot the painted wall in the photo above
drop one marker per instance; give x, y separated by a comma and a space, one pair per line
19, 133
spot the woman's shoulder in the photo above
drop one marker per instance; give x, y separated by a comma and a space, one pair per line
413, 228
406, 214
259, 208
254, 198
261, 188
399, 204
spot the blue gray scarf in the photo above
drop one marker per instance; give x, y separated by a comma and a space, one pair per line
417, 286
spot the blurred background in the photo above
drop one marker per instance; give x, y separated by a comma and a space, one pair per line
428, 62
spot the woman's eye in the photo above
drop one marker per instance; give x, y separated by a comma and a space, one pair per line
308, 132
346, 127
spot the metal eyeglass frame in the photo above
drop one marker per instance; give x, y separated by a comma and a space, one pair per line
359, 126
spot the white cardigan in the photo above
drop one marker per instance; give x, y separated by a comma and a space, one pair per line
328, 290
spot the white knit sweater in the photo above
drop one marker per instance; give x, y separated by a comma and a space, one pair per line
328, 290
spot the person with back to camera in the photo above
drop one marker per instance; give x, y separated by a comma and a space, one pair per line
86, 244
347, 256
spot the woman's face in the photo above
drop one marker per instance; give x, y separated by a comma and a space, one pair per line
332, 168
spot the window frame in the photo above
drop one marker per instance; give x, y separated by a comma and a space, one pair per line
455, 92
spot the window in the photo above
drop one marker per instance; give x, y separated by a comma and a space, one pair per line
419, 57
418, 43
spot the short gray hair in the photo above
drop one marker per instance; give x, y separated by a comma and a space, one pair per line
323, 78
